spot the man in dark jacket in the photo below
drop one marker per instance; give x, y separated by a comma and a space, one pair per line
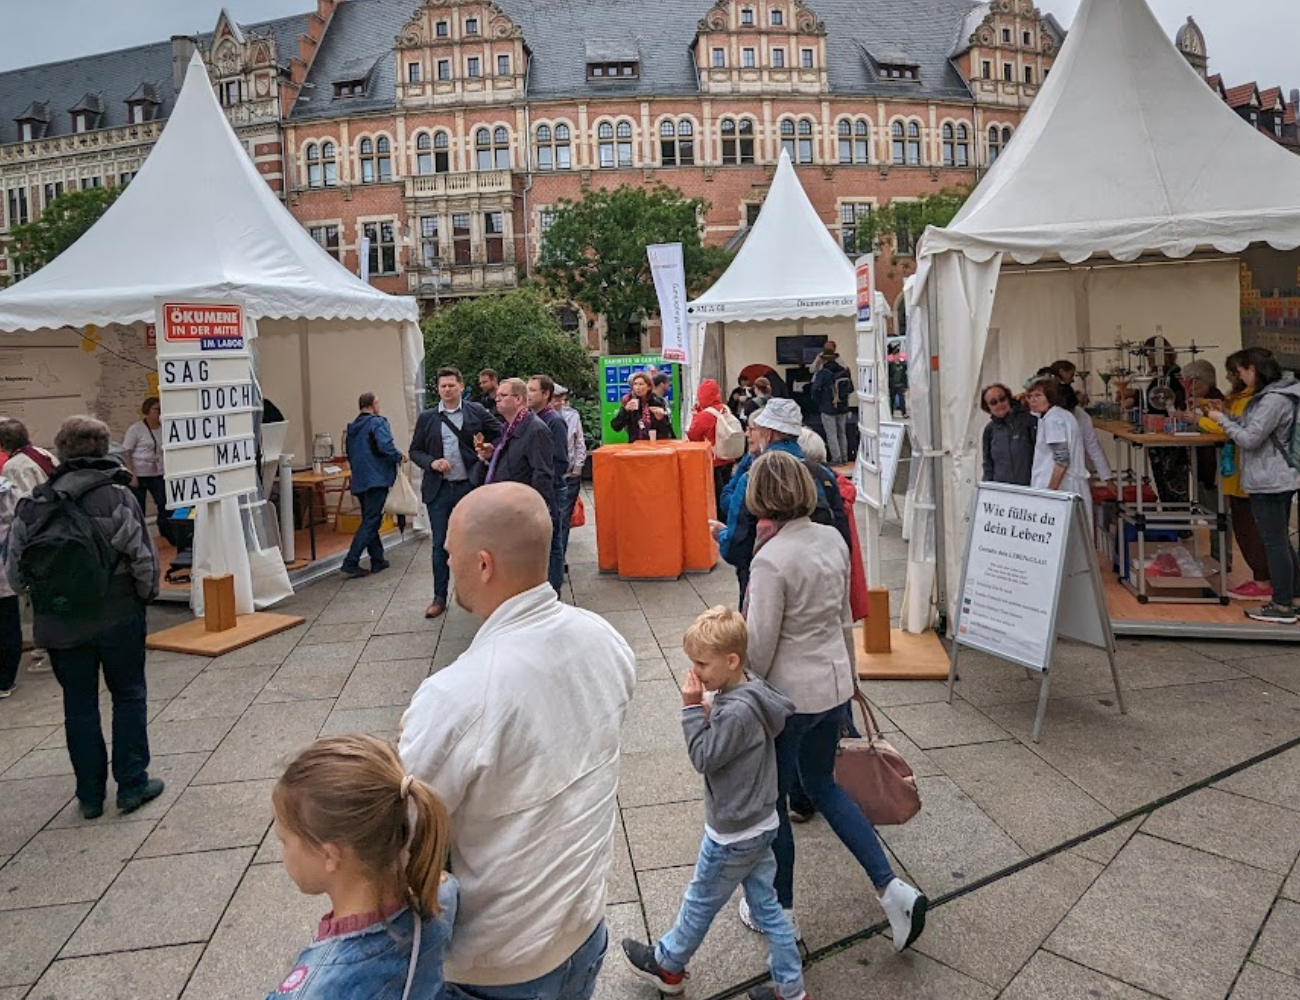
831, 388
443, 446
525, 453
541, 390
107, 631
488, 383
373, 460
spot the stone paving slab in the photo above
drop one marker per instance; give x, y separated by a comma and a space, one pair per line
260, 743
157, 973
212, 817
1050, 977
1259, 983
1169, 919
132, 915
30, 939
69, 865
1252, 832
1277, 949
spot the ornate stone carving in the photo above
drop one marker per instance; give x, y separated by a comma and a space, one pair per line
806, 21
716, 18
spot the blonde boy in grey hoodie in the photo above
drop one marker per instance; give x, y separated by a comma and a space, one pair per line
731, 743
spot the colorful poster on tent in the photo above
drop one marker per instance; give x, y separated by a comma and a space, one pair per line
615, 374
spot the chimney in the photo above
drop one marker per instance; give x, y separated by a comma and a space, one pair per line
1295, 98
183, 47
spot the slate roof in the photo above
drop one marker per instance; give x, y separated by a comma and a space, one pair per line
556, 32
113, 77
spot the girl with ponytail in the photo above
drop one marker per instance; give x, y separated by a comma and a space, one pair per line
357, 827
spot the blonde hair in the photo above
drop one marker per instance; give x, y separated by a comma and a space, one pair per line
718, 630
780, 487
353, 791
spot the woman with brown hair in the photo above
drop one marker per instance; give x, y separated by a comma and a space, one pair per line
799, 622
357, 827
144, 460
642, 413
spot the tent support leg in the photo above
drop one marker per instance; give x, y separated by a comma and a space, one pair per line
936, 444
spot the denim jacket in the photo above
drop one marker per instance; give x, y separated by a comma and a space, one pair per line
372, 964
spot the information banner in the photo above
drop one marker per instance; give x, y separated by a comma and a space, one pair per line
616, 373
1013, 567
668, 269
208, 401
889, 446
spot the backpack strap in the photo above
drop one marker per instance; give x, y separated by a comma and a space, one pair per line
415, 956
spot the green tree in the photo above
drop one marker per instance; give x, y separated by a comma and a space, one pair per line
594, 252
899, 224
515, 332
63, 222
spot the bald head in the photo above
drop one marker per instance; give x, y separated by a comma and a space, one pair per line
498, 541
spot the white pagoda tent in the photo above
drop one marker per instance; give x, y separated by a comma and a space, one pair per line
1118, 208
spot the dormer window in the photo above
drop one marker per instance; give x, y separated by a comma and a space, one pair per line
747, 16
86, 113
613, 71
33, 122
778, 18
898, 71
142, 106
350, 88
471, 25
26, 131
80, 122
232, 93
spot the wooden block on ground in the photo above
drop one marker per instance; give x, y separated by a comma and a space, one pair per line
219, 602
875, 629
194, 638
912, 658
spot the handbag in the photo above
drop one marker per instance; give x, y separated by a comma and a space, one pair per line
402, 499
874, 775
579, 514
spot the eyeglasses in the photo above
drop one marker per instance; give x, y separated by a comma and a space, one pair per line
996, 400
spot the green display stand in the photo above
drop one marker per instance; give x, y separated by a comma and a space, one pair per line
615, 374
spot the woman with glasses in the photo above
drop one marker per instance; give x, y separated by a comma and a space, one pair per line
1008, 438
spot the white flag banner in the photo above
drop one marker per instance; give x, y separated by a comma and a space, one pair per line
668, 268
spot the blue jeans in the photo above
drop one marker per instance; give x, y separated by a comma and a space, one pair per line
574, 980
367, 537
555, 568
718, 871
119, 649
572, 490
440, 508
806, 750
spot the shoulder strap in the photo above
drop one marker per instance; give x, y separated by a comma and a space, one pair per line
441, 419
415, 956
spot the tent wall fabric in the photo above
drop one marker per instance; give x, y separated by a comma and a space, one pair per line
1125, 153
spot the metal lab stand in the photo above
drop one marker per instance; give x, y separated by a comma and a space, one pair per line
1133, 457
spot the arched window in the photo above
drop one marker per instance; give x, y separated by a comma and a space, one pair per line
737, 141
677, 143
854, 140
329, 162
376, 160
432, 153
614, 144
998, 139
553, 147
787, 138
492, 148
805, 141
913, 144
897, 147
956, 145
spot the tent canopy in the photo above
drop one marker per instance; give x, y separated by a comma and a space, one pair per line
1126, 151
197, 222
789, 268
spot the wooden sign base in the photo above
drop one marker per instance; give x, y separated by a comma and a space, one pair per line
910, 658
220, 630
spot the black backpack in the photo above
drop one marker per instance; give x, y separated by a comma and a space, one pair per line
829, 511
67, 562
841, 389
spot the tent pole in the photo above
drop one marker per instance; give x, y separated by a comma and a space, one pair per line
936, 458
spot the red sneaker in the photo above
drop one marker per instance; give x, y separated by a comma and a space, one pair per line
1252, 590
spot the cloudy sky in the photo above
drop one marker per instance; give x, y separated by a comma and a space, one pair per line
1247, 39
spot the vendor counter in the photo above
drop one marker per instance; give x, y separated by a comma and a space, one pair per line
653, 502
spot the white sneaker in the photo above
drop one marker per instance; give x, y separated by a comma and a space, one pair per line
747, 919
905, 907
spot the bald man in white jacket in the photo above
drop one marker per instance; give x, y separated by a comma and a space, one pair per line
520, 737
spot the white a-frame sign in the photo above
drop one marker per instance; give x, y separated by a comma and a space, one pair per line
1030, 576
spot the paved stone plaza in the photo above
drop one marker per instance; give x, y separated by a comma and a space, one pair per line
1200, 901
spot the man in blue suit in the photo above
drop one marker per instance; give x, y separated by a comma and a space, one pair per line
373, 460
444, 447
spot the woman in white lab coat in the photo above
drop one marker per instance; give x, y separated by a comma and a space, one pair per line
1058, 450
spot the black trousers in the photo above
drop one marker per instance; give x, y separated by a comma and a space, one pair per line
119, 650
156, 487
11, 641
1273, 518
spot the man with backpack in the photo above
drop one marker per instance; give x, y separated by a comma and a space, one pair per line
372, 460
774, 428
832, 386
715, 423
80, 548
